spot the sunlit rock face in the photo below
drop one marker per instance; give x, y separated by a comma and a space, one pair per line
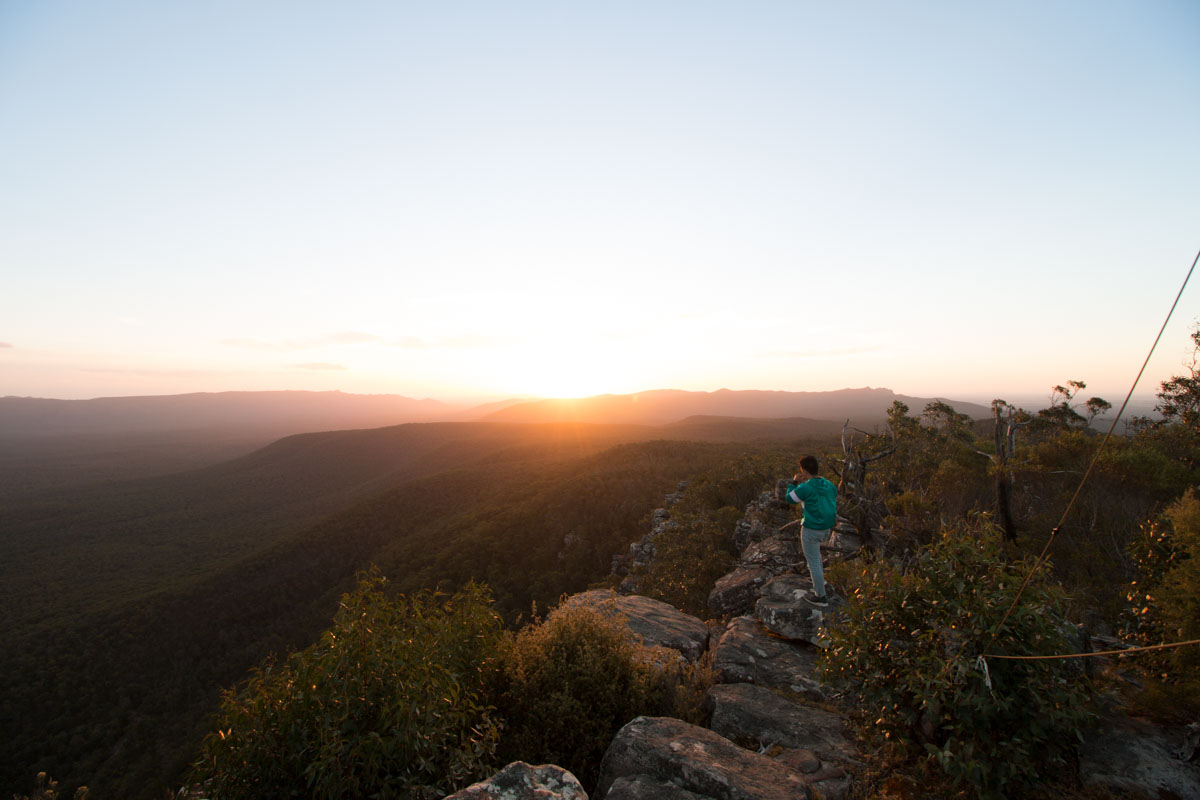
654, 622
669, 751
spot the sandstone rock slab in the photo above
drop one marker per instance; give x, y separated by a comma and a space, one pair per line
784, 611
521, 781
764, 516
654, 622
737, 591
1133, 756
845, 540
779, 554
747, 653
760, 718
669, 750
643, 787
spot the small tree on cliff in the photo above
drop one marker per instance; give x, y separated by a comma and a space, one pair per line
389, 703
1178, 428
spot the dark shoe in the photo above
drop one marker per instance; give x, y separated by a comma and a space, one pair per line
815, 599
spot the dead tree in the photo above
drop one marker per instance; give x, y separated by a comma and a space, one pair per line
863, 509
1005, 433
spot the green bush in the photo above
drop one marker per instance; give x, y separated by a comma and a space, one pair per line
906, 656
568, 684
1165, 608
389, 703
691, 556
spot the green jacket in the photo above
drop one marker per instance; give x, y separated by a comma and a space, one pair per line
819, 497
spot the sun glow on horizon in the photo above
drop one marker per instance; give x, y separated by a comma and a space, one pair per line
564, 378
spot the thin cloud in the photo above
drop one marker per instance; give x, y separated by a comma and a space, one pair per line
469, 340
348, 337
410, 343
828, 353
291, 345
318, 366
158, 373
4, 345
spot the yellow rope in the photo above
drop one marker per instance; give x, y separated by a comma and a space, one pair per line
1126, 651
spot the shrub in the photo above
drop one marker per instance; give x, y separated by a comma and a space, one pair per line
691, 555
1165, 607
568, 684
906, 654
389, 703
46, 788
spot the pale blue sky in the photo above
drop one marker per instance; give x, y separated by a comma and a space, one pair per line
461, 199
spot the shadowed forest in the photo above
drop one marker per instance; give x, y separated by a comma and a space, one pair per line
128, 605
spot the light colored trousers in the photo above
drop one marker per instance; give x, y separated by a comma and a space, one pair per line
811, 541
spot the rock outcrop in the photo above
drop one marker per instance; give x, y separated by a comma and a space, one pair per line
643, 787
781, 607
736, 592
760, 718
521, 781
669, 751
643, 551
763, 741
654, 622
748, 653
1133, 756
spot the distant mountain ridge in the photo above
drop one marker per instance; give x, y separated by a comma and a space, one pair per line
281, 413
286, 412
660, 407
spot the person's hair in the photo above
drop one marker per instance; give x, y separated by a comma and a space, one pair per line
810, 465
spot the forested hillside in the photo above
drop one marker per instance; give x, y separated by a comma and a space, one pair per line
951, 651
128, 606
996, 550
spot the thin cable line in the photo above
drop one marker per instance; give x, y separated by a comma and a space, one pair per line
1096, 458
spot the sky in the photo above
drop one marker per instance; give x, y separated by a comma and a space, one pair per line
478, 199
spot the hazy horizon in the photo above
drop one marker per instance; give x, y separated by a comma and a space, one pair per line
480, 201
1140, 401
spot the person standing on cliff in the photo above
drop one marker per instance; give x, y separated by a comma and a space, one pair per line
819, 498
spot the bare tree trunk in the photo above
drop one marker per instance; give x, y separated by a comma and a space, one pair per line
1005, 434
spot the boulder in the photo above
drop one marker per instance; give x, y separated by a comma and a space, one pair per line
521, 781
630, 584
654, 622
779, 554
748, 653
764, 516
736, 592
1130, 755
643, 787
783, 609
759, 718
845, 540
670, 751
